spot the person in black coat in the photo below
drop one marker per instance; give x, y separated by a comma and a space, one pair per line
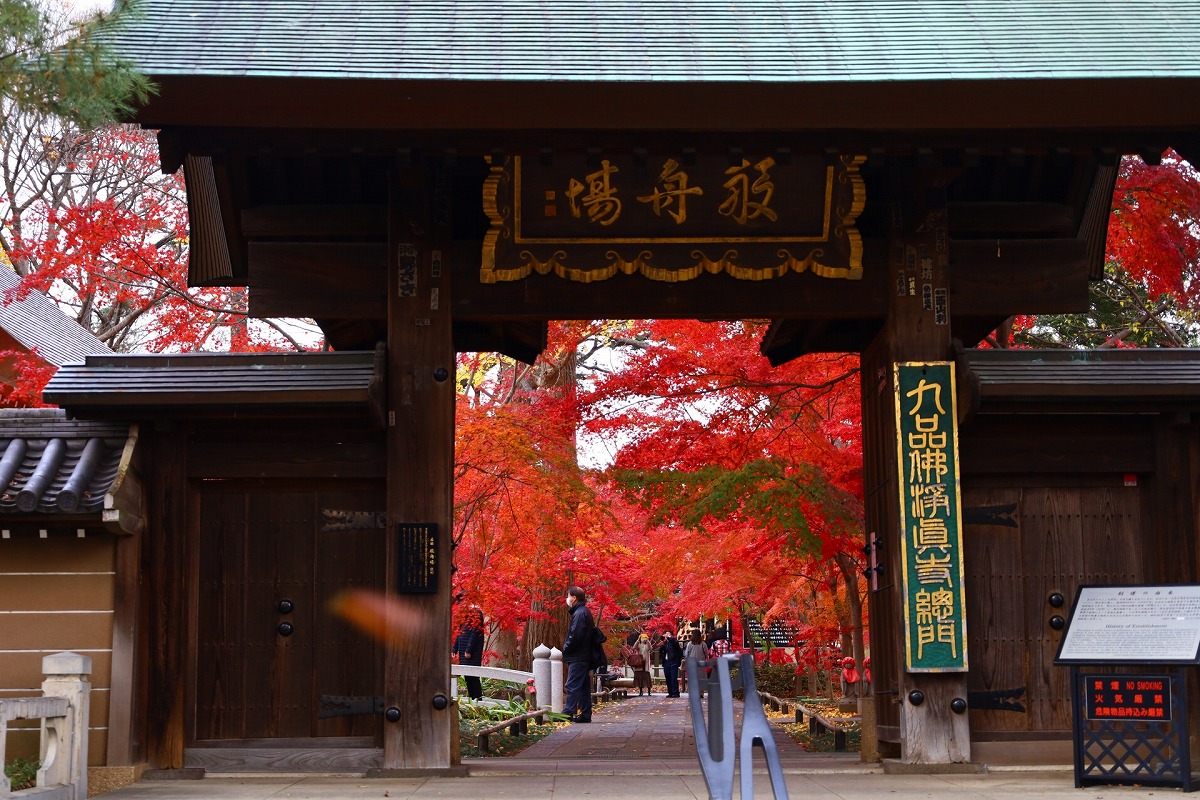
672, 656
577, 655
468, 646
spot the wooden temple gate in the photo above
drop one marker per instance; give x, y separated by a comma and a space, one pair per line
409, 196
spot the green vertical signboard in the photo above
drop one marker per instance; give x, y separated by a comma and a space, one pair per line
930, 517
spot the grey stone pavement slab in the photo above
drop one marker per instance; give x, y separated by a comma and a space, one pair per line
638, 748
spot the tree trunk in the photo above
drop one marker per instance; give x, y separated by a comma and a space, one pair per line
551, 631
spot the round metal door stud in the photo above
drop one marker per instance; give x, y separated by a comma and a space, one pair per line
286, 606
440, 374
440, 702
1056, 600
285, 629
958, 705
916, 697
392, 714
1057, 622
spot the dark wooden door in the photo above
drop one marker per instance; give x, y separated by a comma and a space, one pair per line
268, 644
1064, 537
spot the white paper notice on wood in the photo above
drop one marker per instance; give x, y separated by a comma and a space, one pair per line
1133, 625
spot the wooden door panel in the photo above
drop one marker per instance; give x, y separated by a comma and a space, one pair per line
995, 623
279, 567
1066, 537
346, 661
220, 671
257, 550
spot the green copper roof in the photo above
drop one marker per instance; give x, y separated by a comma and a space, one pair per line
666, 40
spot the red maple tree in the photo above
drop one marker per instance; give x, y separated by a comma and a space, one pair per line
1149, 296
750, 474
88, 219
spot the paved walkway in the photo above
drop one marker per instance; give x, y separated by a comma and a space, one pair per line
638, 748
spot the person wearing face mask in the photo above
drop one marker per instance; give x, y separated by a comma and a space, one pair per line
577, 655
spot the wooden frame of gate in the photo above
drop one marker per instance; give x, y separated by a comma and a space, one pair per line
358, 198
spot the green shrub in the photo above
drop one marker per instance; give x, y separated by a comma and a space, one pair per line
22, 773
776, 679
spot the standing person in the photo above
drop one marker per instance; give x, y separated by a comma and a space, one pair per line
641, 674
468, 646
696, 651
720, 645
672, 654
577, 655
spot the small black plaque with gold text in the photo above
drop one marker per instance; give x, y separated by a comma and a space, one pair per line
417, 565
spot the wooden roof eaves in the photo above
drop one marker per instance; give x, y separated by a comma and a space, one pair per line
1129, 106
220, 385
1132, 381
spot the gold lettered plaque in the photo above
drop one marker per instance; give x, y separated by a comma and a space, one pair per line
418, 558
672, 216
935, 609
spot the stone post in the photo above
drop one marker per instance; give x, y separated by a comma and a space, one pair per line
541, 676
66, 677
557, 676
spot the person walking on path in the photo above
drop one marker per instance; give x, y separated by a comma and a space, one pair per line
672, 654
696, 651
577, 655
468, 646
641, 665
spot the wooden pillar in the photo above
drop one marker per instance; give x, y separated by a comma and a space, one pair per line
917, 329
123, 736
167, 563
420, 467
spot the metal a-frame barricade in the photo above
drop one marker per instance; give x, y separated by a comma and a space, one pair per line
717, 746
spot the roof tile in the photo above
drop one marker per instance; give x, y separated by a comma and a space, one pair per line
665, 40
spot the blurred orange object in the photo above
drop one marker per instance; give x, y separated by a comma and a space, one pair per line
387, 618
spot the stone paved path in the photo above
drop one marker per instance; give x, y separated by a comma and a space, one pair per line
655, 727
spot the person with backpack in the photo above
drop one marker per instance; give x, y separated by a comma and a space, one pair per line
672, 655
578, 653
696, 651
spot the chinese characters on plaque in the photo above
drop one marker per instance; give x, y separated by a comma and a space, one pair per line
930, 518
1132, 697
417, 564
673, 216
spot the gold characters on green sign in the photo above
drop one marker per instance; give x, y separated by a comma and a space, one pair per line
929, 520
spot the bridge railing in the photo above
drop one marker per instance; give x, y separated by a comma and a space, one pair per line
63, 711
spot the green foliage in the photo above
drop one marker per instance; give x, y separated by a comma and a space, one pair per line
1122, 310
776, 679
64, 69
22, 773
766, 490
823, 741
502, 743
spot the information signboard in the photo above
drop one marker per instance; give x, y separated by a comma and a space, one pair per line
1133, 625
